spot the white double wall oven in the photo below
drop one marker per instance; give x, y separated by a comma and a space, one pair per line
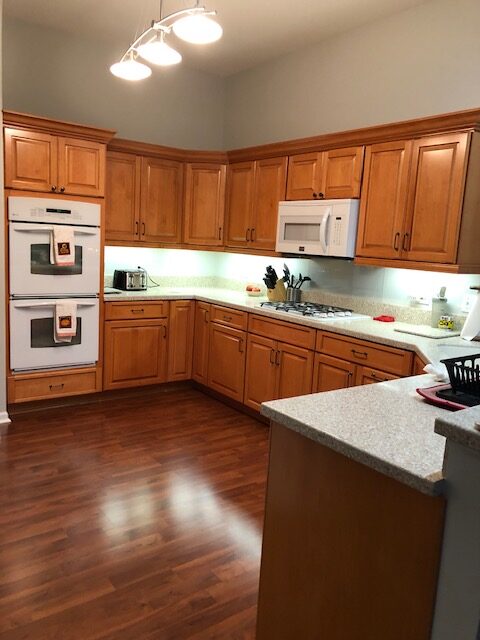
38, 284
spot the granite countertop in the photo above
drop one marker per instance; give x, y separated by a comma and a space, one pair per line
385, 426
462, 427
431, 350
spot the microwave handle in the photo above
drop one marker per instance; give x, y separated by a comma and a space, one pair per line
46, 303
76, 231
323, 231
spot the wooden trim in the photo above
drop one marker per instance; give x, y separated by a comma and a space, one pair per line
168, 153
423, 266
443, 123
56, 127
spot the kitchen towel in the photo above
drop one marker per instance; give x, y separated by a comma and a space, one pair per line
62, 246
65, 321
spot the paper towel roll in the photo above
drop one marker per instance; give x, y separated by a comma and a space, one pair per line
471, 328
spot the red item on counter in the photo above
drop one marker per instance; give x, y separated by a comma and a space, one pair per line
385, 319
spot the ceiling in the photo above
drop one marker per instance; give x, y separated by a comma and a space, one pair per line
254, 30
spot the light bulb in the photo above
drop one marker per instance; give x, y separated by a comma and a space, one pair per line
130, 69
197, 29
159, 52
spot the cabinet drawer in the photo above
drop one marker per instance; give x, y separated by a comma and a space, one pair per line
229, 317
283, 331
39, 386
388, 359
135, 311
366, 375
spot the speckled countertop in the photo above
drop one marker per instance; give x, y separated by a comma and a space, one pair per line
386, 426
462, 427
367, 329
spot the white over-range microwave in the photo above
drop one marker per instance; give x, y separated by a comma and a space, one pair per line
318, 227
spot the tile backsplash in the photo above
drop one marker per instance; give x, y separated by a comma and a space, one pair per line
332, 279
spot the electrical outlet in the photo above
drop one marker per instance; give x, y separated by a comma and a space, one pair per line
420, 301
468, 302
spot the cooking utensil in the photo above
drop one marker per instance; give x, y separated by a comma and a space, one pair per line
286, 273
272, 274
269, 283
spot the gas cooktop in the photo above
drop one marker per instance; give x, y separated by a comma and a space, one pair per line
312, 310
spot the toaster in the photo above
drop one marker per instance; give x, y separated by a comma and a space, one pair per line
130, 280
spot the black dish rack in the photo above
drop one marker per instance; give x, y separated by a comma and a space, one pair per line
464, 374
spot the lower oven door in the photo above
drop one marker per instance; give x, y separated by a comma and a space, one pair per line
32, 345
32, 274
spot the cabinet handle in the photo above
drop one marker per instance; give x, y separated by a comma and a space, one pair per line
406, 238
164, 331
56, 386
137, 310
379, 378
62, 189
360, 354
136, 227
278, 358
227, 318
247, 235
219, 233
314, 195
207, 316
321, 195
54, 188
396, 241
253, 235
240, 345
272, 356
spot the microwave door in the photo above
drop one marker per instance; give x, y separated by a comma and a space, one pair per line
32, 274
306, 234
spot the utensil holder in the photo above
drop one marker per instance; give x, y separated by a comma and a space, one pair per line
293, 295
278, 294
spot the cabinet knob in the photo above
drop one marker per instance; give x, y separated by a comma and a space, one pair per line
314, 195
321, 195
54, 188
62, 189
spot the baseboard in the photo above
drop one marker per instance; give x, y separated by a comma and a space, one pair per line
4, 418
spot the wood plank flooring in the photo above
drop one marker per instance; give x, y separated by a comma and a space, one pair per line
131, 519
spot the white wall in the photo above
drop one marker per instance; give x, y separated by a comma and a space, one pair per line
51, 73
420, 62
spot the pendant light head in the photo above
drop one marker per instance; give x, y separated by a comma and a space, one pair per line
129, 69
197, 28
157, 51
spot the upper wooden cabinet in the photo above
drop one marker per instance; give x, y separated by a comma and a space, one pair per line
204, 204
325, 174
254, 190
143, 199
420, 204
43, 162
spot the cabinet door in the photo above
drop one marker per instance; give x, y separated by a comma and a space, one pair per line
261, 371
343, 172
180, 340
81, 167
436, 195
201, 342
226, 362
204, 204
384, 200
332, 373
295, 367
135, 353
161, 201
365, 375
270, 185
122, 196
240, 184
305, 176
30, 160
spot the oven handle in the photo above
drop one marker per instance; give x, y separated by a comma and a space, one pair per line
33, 305
76, 230
323, 231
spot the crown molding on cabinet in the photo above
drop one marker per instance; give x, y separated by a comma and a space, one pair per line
443, 123
166, 153
56, 127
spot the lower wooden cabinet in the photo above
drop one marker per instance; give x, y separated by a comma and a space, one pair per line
42, 385
180, 340
135, 353
365, 375
275, 370
226, 363
332, 373
201, 343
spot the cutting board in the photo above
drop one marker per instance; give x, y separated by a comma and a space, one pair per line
425, 331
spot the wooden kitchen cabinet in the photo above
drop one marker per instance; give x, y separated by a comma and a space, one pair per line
295, 369
330, 374
180, 340
201, 343
226, 362
254, 190
366, 375
135, 353
122, 196
204, 204
43, 162
335, 173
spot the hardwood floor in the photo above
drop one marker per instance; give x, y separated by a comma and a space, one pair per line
131, 519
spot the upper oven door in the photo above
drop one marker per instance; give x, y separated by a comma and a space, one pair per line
32, 274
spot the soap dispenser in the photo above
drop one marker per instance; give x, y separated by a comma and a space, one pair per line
439, 307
